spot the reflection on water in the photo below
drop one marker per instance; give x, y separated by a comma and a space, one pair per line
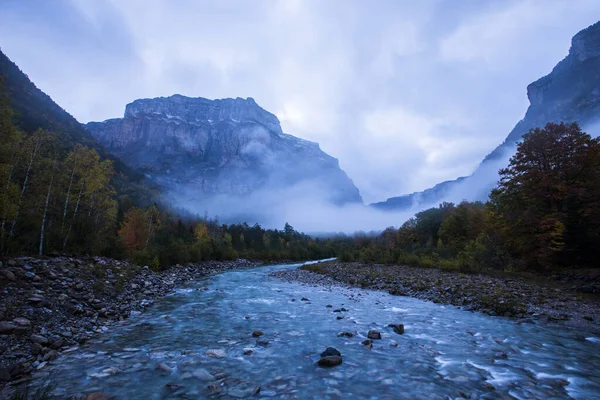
198, 343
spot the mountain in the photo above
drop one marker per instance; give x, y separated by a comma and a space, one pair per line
201, 150
34, 110
570, 93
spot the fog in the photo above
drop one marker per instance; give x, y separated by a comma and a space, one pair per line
307, 204
303, 205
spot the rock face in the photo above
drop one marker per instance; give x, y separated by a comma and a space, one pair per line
570, 93
205, 148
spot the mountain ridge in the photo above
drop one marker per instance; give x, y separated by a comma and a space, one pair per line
201, 149
569, 93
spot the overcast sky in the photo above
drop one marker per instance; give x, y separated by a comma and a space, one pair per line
405, 94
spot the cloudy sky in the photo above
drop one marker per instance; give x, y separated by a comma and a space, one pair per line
405, 94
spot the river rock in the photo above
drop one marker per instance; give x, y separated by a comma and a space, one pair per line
331, 351
203, 375
330, 361
22, 322
398, 328
345, 334
9, 275
217, 353
51, 355
39, 339
374, 334
6, 327
257, 333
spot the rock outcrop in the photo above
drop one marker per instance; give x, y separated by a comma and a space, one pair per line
204, 148
570, 93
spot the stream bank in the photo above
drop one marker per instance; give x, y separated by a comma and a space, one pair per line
50, 305
527, 300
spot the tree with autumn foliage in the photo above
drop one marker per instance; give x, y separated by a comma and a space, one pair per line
546, 204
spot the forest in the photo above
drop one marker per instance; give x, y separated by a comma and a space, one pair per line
59, 196
544, 214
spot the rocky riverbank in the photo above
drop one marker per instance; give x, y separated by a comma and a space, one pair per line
514, 297
52, 305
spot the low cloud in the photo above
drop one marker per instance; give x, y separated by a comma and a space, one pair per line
452, 75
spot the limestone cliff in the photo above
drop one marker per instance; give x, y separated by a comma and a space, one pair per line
570, 93
220, 147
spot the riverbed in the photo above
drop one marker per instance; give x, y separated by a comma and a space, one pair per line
198, 343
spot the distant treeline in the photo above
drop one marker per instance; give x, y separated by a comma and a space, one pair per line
57, 197
544, 214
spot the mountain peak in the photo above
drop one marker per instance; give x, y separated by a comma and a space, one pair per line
201, 109
586, 43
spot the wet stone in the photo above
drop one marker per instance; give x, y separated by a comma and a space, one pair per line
330, 361
331, 351
398, 328
374, 334
257, 333
203, 375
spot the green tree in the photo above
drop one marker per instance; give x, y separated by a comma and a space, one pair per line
546, 193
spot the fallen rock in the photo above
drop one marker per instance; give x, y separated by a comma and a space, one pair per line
330, 361
345, 334
257, 334
373, 334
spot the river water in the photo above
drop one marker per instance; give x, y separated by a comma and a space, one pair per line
196, 342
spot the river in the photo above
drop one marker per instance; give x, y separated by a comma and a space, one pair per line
197, 343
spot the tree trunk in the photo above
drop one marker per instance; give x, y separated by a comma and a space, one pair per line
149, 229
68, 193
76, 208
34, 151
13, 165
46, 209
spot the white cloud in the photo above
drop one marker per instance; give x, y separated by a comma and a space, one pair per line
405, 94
